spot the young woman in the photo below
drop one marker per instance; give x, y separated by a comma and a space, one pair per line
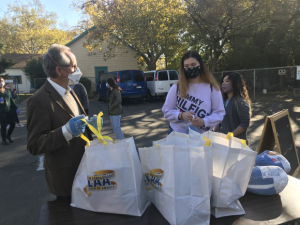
237, 105
114, 107
195, 98
6, 116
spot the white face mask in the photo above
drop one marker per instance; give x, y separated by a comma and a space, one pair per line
1, 84
75, 77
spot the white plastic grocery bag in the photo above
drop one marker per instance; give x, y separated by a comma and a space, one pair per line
233, 161
194, 139
177, 180
109, 179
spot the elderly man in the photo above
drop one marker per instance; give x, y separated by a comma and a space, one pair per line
53, 122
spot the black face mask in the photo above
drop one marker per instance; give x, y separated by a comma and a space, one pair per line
192, 72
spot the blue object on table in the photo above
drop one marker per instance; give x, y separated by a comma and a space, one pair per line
75, 126
267, 180
271, 158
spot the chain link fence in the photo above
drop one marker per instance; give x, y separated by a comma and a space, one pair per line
265, 80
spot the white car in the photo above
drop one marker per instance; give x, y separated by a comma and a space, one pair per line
159, 82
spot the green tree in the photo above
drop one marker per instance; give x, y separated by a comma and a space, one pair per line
151, 27
34, 70
217, 22
4, 63
30, 29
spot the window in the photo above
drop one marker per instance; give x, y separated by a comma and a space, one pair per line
149, 76
163, 75
112, 75
109, 75
100, 73
104, 78
17, 79
173, 75
126, 77
138, 76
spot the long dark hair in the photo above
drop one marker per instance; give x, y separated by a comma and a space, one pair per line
205, 74
239, 87
112, 83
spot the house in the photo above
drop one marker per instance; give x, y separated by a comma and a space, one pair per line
92, 64
16, 73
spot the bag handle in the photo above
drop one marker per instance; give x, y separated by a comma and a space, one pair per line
244, 142
96, 132
229, 135
207, 143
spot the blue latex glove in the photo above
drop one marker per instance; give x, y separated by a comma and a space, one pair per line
93, 122
1, 99
18, 111
75, 126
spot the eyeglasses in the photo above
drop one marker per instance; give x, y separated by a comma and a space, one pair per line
75, 66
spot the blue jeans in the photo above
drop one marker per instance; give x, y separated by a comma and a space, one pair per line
116, 125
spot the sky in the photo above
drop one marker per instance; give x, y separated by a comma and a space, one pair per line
60, 7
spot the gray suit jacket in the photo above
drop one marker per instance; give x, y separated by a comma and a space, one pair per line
236, 115
46, 113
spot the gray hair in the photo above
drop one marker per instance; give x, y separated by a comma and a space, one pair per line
56, 51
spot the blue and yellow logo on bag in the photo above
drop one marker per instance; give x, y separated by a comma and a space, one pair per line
153, 179
100, 181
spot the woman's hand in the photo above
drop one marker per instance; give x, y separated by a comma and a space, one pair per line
197, 122
188, 116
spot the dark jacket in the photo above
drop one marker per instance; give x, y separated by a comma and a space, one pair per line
9, 103
114, 101
47, 112
82, 95
236, 115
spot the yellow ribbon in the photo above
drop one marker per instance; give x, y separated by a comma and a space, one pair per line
96, 132
229, 135
207, 143
244, 142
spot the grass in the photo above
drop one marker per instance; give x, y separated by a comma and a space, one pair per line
23, 97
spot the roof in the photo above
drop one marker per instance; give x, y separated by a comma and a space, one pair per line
85, 32
81, 35
19, 59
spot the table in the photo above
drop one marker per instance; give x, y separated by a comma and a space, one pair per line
260, 210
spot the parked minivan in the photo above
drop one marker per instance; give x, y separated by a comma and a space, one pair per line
159, 82
132, 82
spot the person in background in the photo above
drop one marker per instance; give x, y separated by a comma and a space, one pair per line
6, 116
7, 86
79, 89
14, 96
195, 100
237, 105
114, 106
